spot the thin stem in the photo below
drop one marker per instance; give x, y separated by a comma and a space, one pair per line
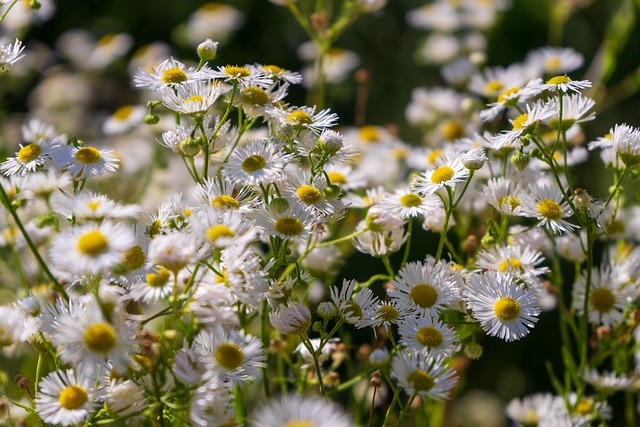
387, 265
265, 344
341, 239
406, 408
407, 247
396, 395
307, 343
4, 15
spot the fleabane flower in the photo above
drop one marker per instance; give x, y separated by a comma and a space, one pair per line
258, 162
427, 376
297, 411
84, 162
448, 173
559, 84
90, 248
429, 336
503, 194
608, 297
193, 99
295, 222
66, 397
358, 309
555, 60
221, 228
31, 157
626, 141
292, 319
242, 76
10, 53
173, 251
170, 74
505, 309
524, 124
406, 203
303, 118
518, 261
547, 205
510, 97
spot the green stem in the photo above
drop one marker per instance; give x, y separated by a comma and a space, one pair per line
406, 408
342, 239
4, 15
387, 265
316, 362
265, 343
396, 395
407, 247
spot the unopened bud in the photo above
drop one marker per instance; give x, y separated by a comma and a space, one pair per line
520, 161
278, 205
207, 50
331, 192
488, 241
34, 5
189, 147
327, 310
331, 141
151, 119
581, 198
473, 350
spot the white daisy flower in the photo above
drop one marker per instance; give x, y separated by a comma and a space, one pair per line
295, 222
44, 184
518, 261
427, 377
85, 338
608, 297
10, 53
168, 75
242, 76
585, 410
245, 275
212, 405
213, 303
90, 248
381, 241
173, 251
296, 410
405, 203
221, 228
576, 108
511, 97
522, 125
504, 308
503, 194
193, 99
308, 192
357, 309
555, 60
154, 286
16, 326
31, 157
125, 398
258, 162
230, 354
559, 84
124, 119
494, 81
256, 101
530, 410
547, 205
291, 319
626, 141
302, 118
449, 172
429, 336
66, 397
280, 74
85, 162
607, 383
389, 313
424, 288
187, 367
88, 205
221, 194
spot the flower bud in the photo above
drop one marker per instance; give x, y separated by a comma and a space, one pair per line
474, 159
151, 119
473, 350
207, 50
582, 199
327, 310
520, 161
189, 147
379, 357
278, 205
331, 192
331, 141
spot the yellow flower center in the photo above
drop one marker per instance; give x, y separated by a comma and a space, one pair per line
273, 69
93, 205
433, 156
420, 380
506, 308
493, 86
558, 80
423, 295
194, 98
410, 200
337, 178
225, 202
442, 174
584, 407
299, 423
237, 72
220, 230
100, 337
552, 63
519, 122
253, 163
92, 243
229, 356
503, 96
400, 153
106, 39
308, 194
509, 202
174, 75
288, 226
429, 336
123, 113
134, 258
388, 313
452, 130
510, 264
254, 96
73, 397
352, 309
602, 300
299, 118
550, 210
29, 152
88, 155
158, 279
369, 133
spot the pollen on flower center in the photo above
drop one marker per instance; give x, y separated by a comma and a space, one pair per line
420, 380
229, 356
220, 230
29, 152
174, 75
134, 258
352, 310
300, 423
254, 96
424, 295
236, 71
123, 113
509, 201
158, 279
433, 156
73, 397
429, 336
288, 226
194, 98
510, 264
273, 69
369, 133
88, 155
442, 174
503, 96
584, 407
550, 210
299, 118
519, 122
506, 308
493, 86
92, 243
552, 63
452, 130
602, 300
308, 194
253, 163
337, 178
100, 337
557, 80
388, 313
410, 200
225, 202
